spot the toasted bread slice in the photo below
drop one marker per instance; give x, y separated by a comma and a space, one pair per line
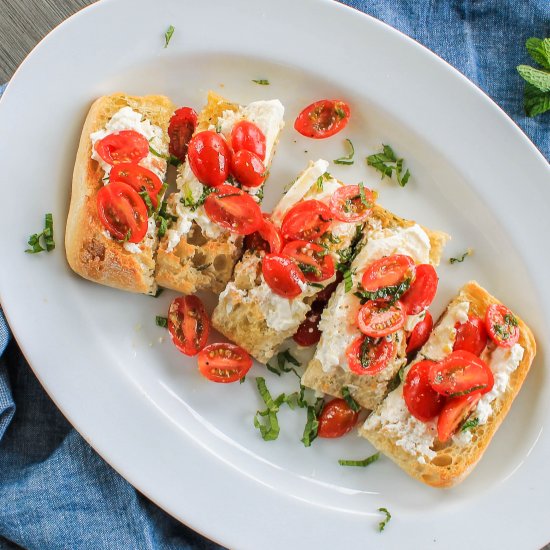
327, 372
248, 312
412, 444
91, 252
196, 253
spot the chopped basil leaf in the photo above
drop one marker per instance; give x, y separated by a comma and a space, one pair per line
147, 200
460, 259
306, 268
161, 321
352, 404
188, 200
283, 358
174, 161
261, 82
509, 319
469, 424
334, 239
241, 380
269, 430
386, 163
361, 463
340, 112
347, 160
384, 522
348, 280
347, 255
466, 392
391, 293
46, 235
312, 425
168, 35
315, 285
364, 200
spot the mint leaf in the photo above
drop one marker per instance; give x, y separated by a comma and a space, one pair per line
539, 50
536, 77
535, 102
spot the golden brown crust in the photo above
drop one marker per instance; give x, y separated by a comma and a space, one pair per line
453, 462
90, 252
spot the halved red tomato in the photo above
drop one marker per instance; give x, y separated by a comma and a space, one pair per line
122, 212
224, 363
471, 336
268, 237
388, 271
422, 290
420, 333
502, 325
188, 324
453, 414
349, 204
248, 137
461, 373
181, 128
314, 260
323, 118
308, 332
306, 221
368, 356
123, 146
377, 318
248, 169
209, 157
421, 399
139, 178
282, 275
233, 209
336, 419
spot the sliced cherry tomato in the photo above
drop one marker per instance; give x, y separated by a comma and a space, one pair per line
421, 399
323, 118
282, 275
308, 332
376, 318
247, 136
336, 419
224, 363
123, 146
388, 271
461, 373
232, 208
471, 336
181, 128
313, 260
268, 237
122, 212
420, 333
347, 204
368, 356
188, 324
454, 413
306, 221
139, 178
422, 290
209, 157
502, 325
247, 168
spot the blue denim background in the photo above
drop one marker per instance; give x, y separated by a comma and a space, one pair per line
55, 491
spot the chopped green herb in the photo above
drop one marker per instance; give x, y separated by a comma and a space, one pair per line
188, 200
312, 425
147, 200
241, 380
390, 293
283, 358
383, 523
386, 163
174, 161
536, 98
364, 200
307, 268
161, 321
46, 235
334, 239
340, 112
261, 82
460, 259
348, 280
352, 404
348, 159
168, 35
361, 463
469, 424
466, 392
269, 430
347, 255
510, 320
315, 285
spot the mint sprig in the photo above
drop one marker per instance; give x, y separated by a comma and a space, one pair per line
536, 99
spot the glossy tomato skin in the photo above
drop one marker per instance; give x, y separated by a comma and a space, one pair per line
376, 318
502, 325
308, 332
421, 399
247, 136
347, 205
454, 412
123, 146
388, 271
233, 209
248, 169
312, 259
422, 290
323, 118
378, 354
209, 157
188, 324
336, 419
471, 336
460, 373
138, 177
122, 212
306, 221
282, 275
267, 238
224, 363
420, 334
180, 130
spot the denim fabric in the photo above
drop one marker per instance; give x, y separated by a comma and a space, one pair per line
55, 491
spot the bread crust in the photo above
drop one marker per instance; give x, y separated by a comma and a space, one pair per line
90, 251
453, 462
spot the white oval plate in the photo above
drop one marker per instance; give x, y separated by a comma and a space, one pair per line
188, 444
